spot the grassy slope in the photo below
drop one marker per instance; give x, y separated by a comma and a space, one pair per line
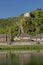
22, 47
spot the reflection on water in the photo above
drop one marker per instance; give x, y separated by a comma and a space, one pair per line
21, 58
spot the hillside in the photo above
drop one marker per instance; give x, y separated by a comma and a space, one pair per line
33, 25
30, 23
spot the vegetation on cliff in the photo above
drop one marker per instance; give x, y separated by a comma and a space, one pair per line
32, 25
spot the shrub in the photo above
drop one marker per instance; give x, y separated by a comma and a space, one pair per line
38, 42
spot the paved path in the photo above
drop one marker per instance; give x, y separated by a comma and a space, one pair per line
24, 43
21, 43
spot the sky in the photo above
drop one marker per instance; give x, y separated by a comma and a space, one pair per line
12, 8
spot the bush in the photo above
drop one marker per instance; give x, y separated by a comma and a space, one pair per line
38, 42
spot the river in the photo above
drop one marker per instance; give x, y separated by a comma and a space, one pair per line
29, 57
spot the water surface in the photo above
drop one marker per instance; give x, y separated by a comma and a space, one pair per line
21, 57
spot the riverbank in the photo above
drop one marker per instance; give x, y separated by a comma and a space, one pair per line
21, 47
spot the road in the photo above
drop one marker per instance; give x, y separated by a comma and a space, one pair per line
24, 43
21, 43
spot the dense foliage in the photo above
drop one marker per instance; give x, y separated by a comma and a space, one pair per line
32, 25
9, 26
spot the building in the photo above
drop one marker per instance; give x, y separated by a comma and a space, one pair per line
37, 38
16, 38
24, 37
4, 38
